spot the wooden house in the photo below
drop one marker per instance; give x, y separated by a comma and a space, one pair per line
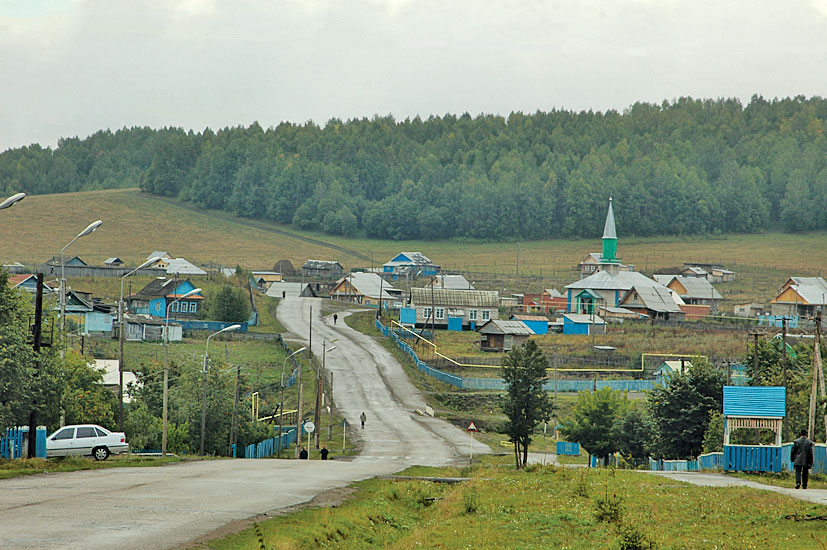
656, 301
694, 291
800, 296
263, 279
366, 289
154, 298
322, 268
113, 262
285, 267
497, 335
141, 327
468, 308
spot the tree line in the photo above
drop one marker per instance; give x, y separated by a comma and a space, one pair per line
689, 166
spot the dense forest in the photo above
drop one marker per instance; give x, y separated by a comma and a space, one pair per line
683, 167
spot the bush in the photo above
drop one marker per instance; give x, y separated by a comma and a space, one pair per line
631, 537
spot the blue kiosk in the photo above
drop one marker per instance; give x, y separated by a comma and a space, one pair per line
754, 407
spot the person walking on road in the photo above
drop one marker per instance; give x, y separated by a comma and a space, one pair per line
335, 318
303, 454
324, 452
362, 417
801, 456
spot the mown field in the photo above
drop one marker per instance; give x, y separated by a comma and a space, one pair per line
543, 507
135, 224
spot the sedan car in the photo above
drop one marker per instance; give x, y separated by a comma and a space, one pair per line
86, 440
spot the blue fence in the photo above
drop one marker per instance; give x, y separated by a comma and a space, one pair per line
499, 383
269, 447
212, 326
12, 444
752, 458
568, 448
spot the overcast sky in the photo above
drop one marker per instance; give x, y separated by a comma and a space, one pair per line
71, 67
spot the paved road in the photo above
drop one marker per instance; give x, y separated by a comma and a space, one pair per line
161, 508
366, 377
818, 496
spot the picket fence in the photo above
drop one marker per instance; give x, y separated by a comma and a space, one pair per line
269, 447
13, 444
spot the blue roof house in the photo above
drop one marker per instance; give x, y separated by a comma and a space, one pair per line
413, 263
154, 298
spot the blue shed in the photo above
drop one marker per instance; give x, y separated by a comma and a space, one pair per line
577, 323
538, 324
754, 408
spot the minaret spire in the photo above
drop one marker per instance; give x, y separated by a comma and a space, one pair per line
610, 236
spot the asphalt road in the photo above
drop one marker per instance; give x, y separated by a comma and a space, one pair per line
366, 377
164, 507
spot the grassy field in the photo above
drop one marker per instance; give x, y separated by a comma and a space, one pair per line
135, 224
543, 507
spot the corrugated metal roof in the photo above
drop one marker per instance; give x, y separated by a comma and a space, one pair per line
455, 298
755, 401
496, 326
414, 258
698, 288
530, 318
451, 282
812, 289
320, 264
183, 267
656, 298
582, 318
370, 284
603, 280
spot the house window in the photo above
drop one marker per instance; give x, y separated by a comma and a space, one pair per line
440, 313
173, 306
193, 307
472, 315
486, 315
426, 312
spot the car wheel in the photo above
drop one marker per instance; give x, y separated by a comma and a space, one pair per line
100, 453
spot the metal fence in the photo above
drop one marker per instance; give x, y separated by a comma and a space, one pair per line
14, 444
269, 447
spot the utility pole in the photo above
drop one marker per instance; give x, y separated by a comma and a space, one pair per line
317, 415
299, 410
235, 407
818, 375
785, 363
36, 341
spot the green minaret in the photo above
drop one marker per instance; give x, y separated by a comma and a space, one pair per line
610, 237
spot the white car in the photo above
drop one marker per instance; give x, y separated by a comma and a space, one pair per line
86, 440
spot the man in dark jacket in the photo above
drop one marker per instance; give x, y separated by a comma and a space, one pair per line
801, 456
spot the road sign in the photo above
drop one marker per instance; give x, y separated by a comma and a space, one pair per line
471, 427
345, 423
309, 427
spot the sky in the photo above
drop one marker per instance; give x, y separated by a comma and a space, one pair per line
72, 67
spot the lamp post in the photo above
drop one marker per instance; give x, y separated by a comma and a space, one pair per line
317, 418
281, 402
121, 337
11, 201
204, 399
166, 368
89, 229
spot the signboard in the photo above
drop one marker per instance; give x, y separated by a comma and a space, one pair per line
471, 428
309, 427
345, 423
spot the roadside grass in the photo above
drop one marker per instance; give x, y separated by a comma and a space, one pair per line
541, 507
267, 317
23, 467
137, 223
782, 479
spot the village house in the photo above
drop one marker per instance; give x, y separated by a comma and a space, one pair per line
800, 296
263, 279
579, 323
28, 282
154, 298
656, 301
714, 273
603, 289
538, 324
694, 291
141, 327
454, 309
550, 299
322, 268
497, 335
749, 309
450, 282
173, 266
113, 262
366, 289
412, 263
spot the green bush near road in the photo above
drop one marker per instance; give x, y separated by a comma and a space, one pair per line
24, 467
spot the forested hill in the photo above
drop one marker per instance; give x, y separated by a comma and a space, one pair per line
690, 166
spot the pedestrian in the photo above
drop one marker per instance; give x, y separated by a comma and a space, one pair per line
335, 318
362, 417
801, 456
284, 294
303, 454
324, 453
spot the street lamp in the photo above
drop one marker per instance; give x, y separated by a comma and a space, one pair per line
317, 419
281, 403
204, 399
89, 229
11, 201
166, 367
122, 336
